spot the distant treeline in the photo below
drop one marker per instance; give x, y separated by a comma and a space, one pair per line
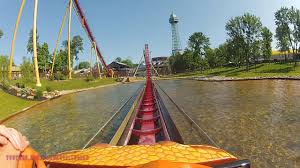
248, 41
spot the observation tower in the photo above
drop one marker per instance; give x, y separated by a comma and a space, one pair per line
176, 45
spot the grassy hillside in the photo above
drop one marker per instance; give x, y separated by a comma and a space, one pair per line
10, 104
260, 70
69, 84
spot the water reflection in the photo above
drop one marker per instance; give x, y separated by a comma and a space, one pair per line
68, 122
258, 120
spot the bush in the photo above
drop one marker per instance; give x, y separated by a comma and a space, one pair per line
49, 89
89, 78
27, 70
5, 84
59, 76
38, 94
51, 78
20, 85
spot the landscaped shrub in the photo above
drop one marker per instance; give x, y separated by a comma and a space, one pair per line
5, 84
51, 77
59, 76
38, 94
89, 78
20, 85
49, 89
27, 70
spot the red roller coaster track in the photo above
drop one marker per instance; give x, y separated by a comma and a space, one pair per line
148, 126
90, 34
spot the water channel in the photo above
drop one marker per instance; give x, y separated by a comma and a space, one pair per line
258, 120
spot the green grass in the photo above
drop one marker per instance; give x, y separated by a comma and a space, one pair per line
261, 70
10, 104
69, 84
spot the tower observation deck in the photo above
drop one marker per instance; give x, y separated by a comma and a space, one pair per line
176, 45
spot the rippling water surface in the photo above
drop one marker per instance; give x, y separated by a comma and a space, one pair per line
68, 122
258, 120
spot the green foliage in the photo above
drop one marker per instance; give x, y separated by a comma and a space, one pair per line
118, 59
27, 70
38, 94
20, 85
244, 38
59, 76
84, 64
49, 89
266, 43
128, 62
62, 62
287, 22
186, 61
76, 47
5, 84
90, 78
222, 55
30, 42
1, 33
282, 29
198, 43
177, 63
4, 62
194, 57
44, 58
211, 58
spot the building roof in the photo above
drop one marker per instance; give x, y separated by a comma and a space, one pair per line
16, 69
162, 58
117, 65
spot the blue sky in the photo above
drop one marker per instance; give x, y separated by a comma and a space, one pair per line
122, 27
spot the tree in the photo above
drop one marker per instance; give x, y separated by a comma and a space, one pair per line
84, 64
287, 22
178, 63
1, 33
44, 58
211, 58
118, 59
198, 43
76, 47
128, 62
189, 61
222, 55
30, 42
266, 43
27, 70
4, 62
61, 63
245, 36
185, 62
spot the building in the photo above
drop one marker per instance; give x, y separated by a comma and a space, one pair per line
120, 69
161, 65
16, 72
176, 45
